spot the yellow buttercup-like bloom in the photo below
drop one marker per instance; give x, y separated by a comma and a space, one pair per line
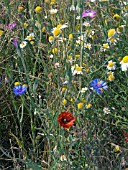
54, 50
116, 17
80, 106
111, 32
38, 9
1, 32
56, 32
20, 9
70, 36
64, 102
17, 83
25, 25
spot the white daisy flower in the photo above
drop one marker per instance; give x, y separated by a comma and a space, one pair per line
111, 65
124, 63
23, 44
53, 11
106, 110
76, 69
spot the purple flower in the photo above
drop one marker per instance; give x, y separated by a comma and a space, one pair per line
98, 85
15, 43
88, 13
11, 26
19, 89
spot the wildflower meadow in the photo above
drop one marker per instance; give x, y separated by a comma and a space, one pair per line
63, 85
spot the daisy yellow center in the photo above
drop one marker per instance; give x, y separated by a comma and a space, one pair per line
125, 59
98, 83
111, 32
105, 45
58, 26
30, 37
22, 44
78, 68
110, 64
56, 32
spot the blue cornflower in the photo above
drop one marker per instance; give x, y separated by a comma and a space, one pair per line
98, 85
19, 89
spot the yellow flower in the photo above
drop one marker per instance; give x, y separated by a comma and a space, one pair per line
87, 69
83, 65
106, 45
38, 9
77, 27
51, 39
56, 32
47, 1
63, 158
88, 106
53, 2
111, 76
64, 89
80, 106
125, 59
43, 29
32, 42
20, 9
17, 83
77, 56
70, 36
58, 26
1, 32
64, 101
116, 17
111, 32
25, 25
78, 69
69, 57
54, 50
117, 148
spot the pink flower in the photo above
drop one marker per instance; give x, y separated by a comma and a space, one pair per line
11, 26
88, 13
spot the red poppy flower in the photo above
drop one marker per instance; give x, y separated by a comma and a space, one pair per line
126, 136
66, 119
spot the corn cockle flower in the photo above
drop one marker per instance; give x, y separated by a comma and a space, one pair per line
89, 13
15, 43
19, 89
66, 120
98, 85
38, 9
124, 63
11, 26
